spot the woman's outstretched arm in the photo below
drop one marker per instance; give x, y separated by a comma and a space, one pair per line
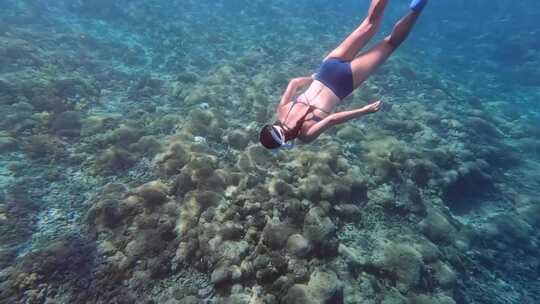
338, 118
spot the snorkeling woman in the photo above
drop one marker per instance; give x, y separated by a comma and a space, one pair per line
310, 114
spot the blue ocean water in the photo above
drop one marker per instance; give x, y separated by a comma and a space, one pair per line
131, 170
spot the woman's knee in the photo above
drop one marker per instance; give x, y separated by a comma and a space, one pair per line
392, 41
369, 26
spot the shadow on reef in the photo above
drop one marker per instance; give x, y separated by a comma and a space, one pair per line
470, 187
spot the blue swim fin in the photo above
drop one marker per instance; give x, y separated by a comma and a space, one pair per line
417, 5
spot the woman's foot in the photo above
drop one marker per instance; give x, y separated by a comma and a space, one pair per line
376, 9
418, 5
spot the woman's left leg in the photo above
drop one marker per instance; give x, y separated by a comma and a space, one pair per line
368, 62
362, 34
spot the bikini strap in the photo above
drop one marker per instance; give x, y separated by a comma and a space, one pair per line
300, 121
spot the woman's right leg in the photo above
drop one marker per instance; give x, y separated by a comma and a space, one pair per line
360, 37
368, 62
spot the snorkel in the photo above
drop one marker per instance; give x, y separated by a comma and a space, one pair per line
279, 137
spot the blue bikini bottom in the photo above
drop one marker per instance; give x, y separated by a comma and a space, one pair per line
337, 75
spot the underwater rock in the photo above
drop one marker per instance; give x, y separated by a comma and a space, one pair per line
131, 205
67, 124
147, 243
166, 124
8, 144
296, 209
231, 231
189, 300
443, 158
401, 126
197, 95
208, 198
429, 251
203, 168
245, 164
187, 77
93, 124
320, 231
173, 159
206, 124
220, 275
298, 270
123, 135
237, 139
437, 228
145, 87
348, 212
298, 245
382, 169
114, 190
195, 202
267, 275
231, 251
147, 145
159, 267
323, 288
132, 56
60, 260
352, 256
275, 234
326, 287
408, 199
444, 275
394, 298
350, 133
298, 294
401, 261
107, 214
258, 155
44, 147
382, 196
183, 183
279, 187
113, 161
73, 87
431, 299
153, 193
311, 187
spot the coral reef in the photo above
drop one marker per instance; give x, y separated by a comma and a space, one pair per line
130, 170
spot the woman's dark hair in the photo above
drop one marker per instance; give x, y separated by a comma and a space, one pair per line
266, 139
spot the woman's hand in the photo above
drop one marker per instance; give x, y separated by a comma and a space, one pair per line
302, 81
294, 84
372, 107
